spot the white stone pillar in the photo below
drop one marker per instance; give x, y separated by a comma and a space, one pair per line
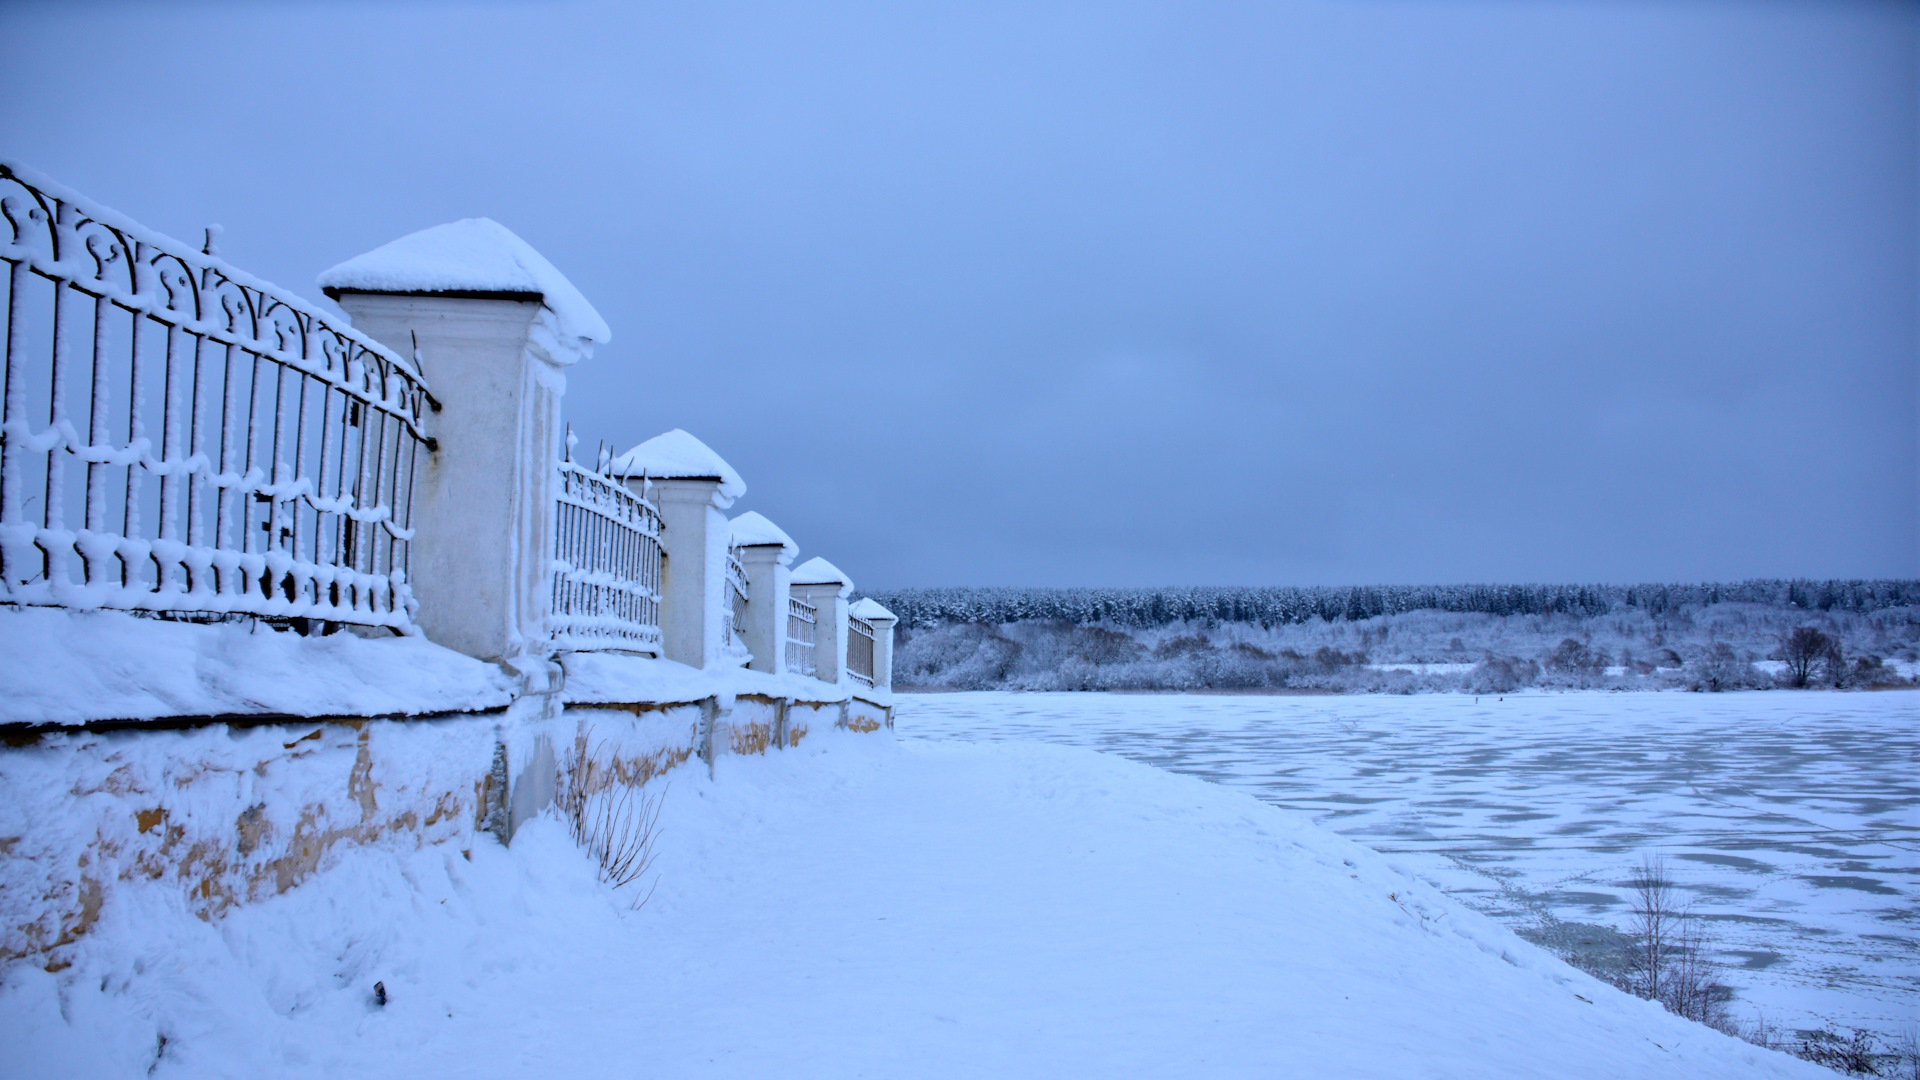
767, 553
693, 573
691, 485
821, 584
487, 493
493, 327
883, 622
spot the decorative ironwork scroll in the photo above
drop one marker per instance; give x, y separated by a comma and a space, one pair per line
179, 436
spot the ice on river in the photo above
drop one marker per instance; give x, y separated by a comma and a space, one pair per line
1792, 819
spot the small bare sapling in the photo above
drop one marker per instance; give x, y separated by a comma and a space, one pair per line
1668, 962
611, 814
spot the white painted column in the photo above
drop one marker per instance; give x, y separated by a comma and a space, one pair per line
883, 622
767, 553
693, 541
493, 326
484, 504
830, 632
768, 586
821, 584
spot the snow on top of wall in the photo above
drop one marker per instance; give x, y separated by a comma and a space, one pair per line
74, 667
752, 529
470, 255
614, 679
676, 455
870, 609
818, 571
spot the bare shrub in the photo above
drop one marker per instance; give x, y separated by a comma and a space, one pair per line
1833, 666
1182, 645
1858, 1054
1501, 675
1098, 645
1574, 657
1668, 962
1803, 650
613, 816
959, 656
1722, 669
1906, 1064
1873, 671
1330, 660
1763, 1032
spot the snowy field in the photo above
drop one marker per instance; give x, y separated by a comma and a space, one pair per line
1792, 818
858, 907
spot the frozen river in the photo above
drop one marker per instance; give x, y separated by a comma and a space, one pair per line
1792, 819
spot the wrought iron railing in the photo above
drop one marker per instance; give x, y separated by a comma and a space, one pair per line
179, 436
606, 569
736, 614
801, 623
860, 650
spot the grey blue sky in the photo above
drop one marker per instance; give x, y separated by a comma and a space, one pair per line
1124, 294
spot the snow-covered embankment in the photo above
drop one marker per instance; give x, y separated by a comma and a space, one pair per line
860, 907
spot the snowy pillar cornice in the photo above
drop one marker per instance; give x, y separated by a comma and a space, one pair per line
767, 553
493, 326
691, 485
821, 584
883, 622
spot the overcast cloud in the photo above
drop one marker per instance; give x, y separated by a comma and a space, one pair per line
1270, 293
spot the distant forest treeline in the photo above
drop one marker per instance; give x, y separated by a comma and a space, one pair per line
1272, 606
1411, 639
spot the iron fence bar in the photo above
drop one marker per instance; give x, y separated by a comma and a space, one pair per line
802, 620
860, 650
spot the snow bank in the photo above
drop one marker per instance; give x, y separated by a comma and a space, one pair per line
470, 255
611, 678
859, 907
676, 455
70, 667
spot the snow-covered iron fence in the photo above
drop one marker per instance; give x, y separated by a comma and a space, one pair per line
606, 568
860, 650
801, 620
736, 614
179, 436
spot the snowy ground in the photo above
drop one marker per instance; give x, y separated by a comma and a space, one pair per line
859, 907
1792, 818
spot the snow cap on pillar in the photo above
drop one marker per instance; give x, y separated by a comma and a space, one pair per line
872, 610
818, 571
752, 529
677, 455
476, 257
